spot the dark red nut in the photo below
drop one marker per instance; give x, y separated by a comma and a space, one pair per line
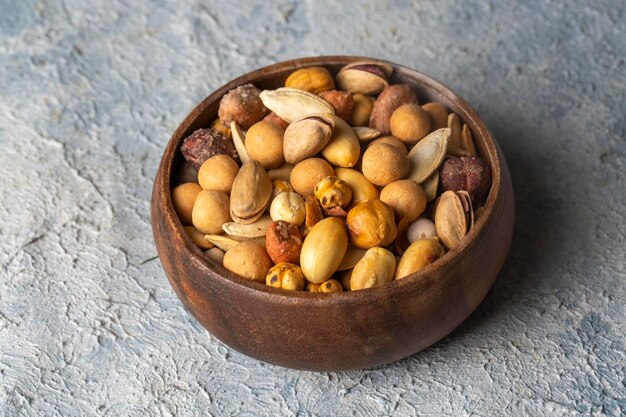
205, 143
341, 101
469, 173
274, 118
243, 105
283, 242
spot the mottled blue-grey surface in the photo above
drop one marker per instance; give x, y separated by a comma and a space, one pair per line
91, 91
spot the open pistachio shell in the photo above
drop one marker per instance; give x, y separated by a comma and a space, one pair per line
239, 140
291, 104
250, 194
307, 136
450, 219
427, 154
365, 77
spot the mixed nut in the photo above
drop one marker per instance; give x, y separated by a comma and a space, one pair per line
329, 183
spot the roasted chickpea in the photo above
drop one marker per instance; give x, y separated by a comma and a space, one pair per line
333, 192
286, 276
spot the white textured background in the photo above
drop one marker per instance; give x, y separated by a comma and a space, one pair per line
89, 95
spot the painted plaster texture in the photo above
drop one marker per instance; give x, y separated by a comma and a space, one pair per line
89, 95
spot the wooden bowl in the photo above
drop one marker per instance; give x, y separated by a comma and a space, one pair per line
340, 331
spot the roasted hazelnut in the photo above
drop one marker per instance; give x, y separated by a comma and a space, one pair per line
211, 211
406, 197
286, 276
249, 260
183, 199
264, 142
243, 105
315, 80
283, 242
361, 109
469, 173
309, 172
409, 123
383, 164
420, 254
218, 173
333, 192
371, 224
288, 206
205, 143
438, 115
341, 101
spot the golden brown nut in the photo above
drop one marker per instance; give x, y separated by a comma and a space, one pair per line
333, 192
387, 102
361, 109
330, 285
341, 101
406, 197
264, 142
409, 123
280, 186
286, 276
383, 164
218, 173
198, 237
371, 224
307, 173
211, 211
183, 199
243, 105
362, 189
420, 254
312, 79
438, 115
224, 130
377, 267
323, 249
283, 242
390, 140
313, 213
249, 260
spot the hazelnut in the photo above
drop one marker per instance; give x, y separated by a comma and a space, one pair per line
286, 276
218, 173
309, 172
438, 115
383, 164
283, 242
371, 224
469, 173
249, 260
361, 109
406, 197
197, 237
333, 192
420, 254
210, 211
205, 143
341, 101
409, 123
242, 105
264, 142
312, 79
183, 199
288, 206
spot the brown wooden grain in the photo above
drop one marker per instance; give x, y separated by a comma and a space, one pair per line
350, 330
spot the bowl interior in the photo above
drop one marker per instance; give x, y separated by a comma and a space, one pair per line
274, 76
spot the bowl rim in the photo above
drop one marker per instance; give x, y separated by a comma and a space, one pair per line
261, 290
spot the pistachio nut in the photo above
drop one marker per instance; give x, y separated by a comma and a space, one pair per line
362, 189
452, 217
315, 80
365, 77
307, 136
427, 154
343, 149
291, 104
377, 267
252, 230
250, 194
323, 249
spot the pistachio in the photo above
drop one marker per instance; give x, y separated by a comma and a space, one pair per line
430, 185
239, 140
323, 249
377, 267
288, 206
256, 229
362, 189
365, 77
420, 254
312, 79
333, 192
452, 218
343, 149
286, 276
387, 102
363, 134
307, 136
350, 259
291, 104
250, 193
426, 156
